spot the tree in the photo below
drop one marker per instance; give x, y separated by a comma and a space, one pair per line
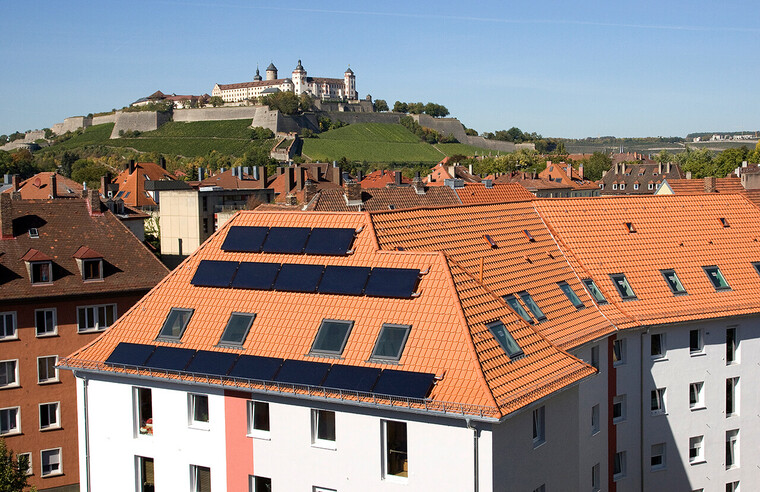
381, 105
400, 107
305, 102
416, 108
436, 110
88, 171
286, 102
3, 139
13, 477
261, 133
596, 165
216, 101
67, 160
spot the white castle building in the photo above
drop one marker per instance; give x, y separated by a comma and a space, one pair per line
300, 83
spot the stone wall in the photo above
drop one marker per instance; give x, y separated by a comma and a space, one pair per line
213, 114
452, 126
142, 121
106, 118
351, 117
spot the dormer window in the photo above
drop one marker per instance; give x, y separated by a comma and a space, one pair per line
39, 266
90, 264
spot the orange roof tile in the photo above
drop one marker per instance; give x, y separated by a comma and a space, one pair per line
696, 186
382, 178
134, 183
498, 193
38, 187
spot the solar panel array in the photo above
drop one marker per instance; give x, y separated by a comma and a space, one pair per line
291, 240
296, 277
290, 371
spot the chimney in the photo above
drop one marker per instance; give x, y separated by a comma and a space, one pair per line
668, 167
359, 176
688, 174
710, 184
452, 171
200, 174
131, 166
470, 168
398, 178
240, 172
291, 199
417, 184
337, 176
744, 163
6, 216
659, 168
53, 185
289, 179
93, 202
300, 177
15, 182
353, 191
310, 191
162, 162
104, 182
580, 171
7, 179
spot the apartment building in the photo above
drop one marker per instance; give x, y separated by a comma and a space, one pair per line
68, 270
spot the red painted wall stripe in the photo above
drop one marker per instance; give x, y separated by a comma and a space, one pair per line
239, 446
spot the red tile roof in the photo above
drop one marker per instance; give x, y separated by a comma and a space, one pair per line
134, 183
228, 181
399, 197
499, 193
38, 187
697, 186
381, 178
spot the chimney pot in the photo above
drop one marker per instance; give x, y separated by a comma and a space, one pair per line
93, 201
688, 174
131, 166
53, 185
398, 177
710, 184
337, 176
353, 191
301, 177
310, 191
15, 182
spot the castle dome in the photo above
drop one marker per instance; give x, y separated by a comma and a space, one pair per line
271, 67
299, 66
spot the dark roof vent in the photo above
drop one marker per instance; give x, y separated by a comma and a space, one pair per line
529, 235
724, 222
488, 183
629, 226
490, 241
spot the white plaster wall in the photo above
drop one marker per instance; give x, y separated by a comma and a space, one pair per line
180, 218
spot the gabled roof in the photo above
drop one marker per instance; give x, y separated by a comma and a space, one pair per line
85, 253
443, 171
697, 186
399, 197
448, 336
381, 178
132, 186
473, 193
64, 228
228, 181
38, 187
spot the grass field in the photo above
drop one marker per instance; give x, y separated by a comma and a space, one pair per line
208, 129
464, 149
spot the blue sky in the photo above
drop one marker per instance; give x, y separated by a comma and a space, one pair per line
564, 69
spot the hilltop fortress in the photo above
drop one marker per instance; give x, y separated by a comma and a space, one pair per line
319, 87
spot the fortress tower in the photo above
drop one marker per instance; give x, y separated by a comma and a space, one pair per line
257, 77
349, 80
271, 72
299, 79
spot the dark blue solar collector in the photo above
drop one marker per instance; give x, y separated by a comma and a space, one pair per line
254, 275
286, 240
245, 239
392, 282
215, 363
130, 354
170, 358
213, 273
326, 241
354, 378
344, 280
298, 278
302, 372
403, 383
254, 367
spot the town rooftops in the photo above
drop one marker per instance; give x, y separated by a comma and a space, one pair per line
473, 193
395, 197
132, 181
40, 185
465, 353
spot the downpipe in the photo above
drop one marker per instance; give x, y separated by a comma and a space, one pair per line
475, 434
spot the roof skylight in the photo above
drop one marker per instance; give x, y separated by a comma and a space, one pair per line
237, 328
571, 295
676, 287
517, 307
528, 300
331, 337
717, 278
390, 342
175, 323
622, 285
505, 339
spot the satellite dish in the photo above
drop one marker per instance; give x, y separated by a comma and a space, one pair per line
37, 182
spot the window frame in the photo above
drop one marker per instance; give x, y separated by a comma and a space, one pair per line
56, 413
4, 336
619, 462
46, 333
662, 354
15, 383
594, 291
254, 486
596, 417
166, 326
596, 477
319, 415
97, 325
732, 390
235, 344
618, 352
48, 380
657, 402
90, 261
59, 470
696, 450
595, 361
12, 431
195, 482
697, 348
732, 449
493, 327
674, 283
30, 467
619, 400
143, 423
662, 454
568, 290
616, 278
403, 475
532, 306
697, 389
252, 417
539, 426
194, 406
732, 345
321, 352
387, 327
34, 273
720, 276
140, 462
515, 305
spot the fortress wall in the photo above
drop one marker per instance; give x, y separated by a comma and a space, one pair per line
351, 117
211, 114
142, 121
107, 118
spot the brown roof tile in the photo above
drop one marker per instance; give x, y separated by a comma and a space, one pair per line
399, 197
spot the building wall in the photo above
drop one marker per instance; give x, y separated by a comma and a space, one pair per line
29, 394
179, 220
628, 430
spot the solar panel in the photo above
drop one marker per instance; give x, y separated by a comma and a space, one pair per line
344, 280
404, 383
302, 372
326, 241
131, 354
170, 358
298, 278
255, 275
392, 282
352, 378
286, 240
213, 273
208, 362
254, 367
245, 239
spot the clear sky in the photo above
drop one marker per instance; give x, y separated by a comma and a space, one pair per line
559, 68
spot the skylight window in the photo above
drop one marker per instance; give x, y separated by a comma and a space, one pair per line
757, 266
390, 342
505, 339
33, 233
529, 235
331, 337
676, 287
571, 295
175, 323
237, 329
594, 291
622, 285
716, 277
630, 227
517, 307
724, 222
528, 300
490, 241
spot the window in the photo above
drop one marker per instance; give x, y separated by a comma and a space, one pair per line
622, 285
731, 396
658, 401
258, 418
716, 277
732, 345
657, 459
237, 329
618, 409
51, 462
198, 410
260, 484
8, 326
10, 422
595, 419
618, 352
25, 457
505, 339
619, 466
92, 269
145, 475
46, 370
8, 374
635, 186
95, 318
528, 300
596, 478
676, 287
732, 486
42, 272
394, 453
595, 357
45, 322
696, 396
657, 345
323, 428
143, 411
571, 295
175, 323
539, 426
650, 186
695, 449
696, 345
594, 291
332, 337
49, 416
732, 448
517, 307
390, 342
34, 233
614, 186
622, 186
200, 478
